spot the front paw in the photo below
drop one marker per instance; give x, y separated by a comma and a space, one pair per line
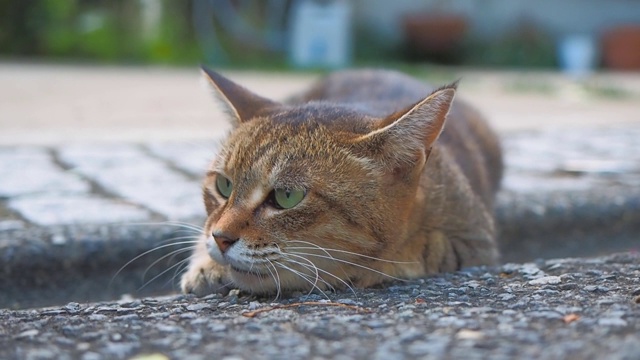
205, 277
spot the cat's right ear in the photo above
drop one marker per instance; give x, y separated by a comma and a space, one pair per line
242, 104
406, 137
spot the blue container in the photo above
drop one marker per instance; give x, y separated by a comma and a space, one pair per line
320, 34
578, 55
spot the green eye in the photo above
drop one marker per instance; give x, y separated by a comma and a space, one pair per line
286, 199
224, 186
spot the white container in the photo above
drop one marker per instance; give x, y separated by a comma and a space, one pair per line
578, 55
320, 33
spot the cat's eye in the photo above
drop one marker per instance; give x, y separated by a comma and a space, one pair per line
224, 186
287, 198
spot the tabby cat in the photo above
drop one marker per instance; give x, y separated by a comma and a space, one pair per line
351, 183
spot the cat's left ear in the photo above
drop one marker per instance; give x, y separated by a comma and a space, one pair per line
406, 137
242, 104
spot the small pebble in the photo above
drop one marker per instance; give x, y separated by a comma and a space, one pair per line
466, 334
253, 305
613, 321
347, 302
27, 333
198, 307
567, 286
506, 297
98, 317
552, 280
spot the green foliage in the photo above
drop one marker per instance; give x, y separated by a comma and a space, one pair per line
112, 31
523, 48
105, 31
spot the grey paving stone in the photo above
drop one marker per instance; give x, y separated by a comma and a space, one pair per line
47, 210
31, 170
127, 171
571, 159
192, 157
6, 225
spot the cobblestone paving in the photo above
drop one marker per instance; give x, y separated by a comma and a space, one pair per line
83, 184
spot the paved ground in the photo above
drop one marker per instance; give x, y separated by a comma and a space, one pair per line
557, 309
96, 161
88, 104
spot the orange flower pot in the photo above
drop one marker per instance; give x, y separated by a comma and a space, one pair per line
621, 48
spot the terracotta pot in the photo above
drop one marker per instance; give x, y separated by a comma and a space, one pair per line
432, 34
621, 48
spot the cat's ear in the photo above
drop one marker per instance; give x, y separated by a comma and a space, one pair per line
242, 104
406, 137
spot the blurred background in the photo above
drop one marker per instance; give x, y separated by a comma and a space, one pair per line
576, 35
87, 70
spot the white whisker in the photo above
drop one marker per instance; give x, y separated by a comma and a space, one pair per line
195, 228
304, 277
159, 275
192, 237
351, 264
310, 266
328, 254
148, 252
349, 286
276, 278
182, 264
173, 253
326, 250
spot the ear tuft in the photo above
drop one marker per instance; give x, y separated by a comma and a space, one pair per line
242, 104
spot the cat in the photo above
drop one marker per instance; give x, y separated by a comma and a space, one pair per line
354, 182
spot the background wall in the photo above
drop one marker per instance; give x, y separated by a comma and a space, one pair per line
492, 18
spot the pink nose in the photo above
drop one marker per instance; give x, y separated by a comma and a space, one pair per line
224, 241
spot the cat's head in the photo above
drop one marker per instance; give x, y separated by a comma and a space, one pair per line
310, 195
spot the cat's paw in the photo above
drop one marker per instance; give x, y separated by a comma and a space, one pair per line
205, 277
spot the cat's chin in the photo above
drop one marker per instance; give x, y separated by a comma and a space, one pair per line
252, 281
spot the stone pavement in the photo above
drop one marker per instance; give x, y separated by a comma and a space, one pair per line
62, 104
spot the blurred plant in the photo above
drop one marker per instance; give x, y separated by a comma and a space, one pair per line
525, 47
97, 30
243, 31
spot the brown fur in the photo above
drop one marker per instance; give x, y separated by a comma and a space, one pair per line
389, 194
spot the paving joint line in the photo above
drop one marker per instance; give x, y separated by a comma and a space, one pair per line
6, 213
169, 163
96, 188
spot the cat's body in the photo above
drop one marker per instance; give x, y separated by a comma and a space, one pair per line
376, 192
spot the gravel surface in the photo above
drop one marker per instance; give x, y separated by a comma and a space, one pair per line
569, 309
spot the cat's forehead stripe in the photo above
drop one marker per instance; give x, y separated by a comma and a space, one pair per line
256, 196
